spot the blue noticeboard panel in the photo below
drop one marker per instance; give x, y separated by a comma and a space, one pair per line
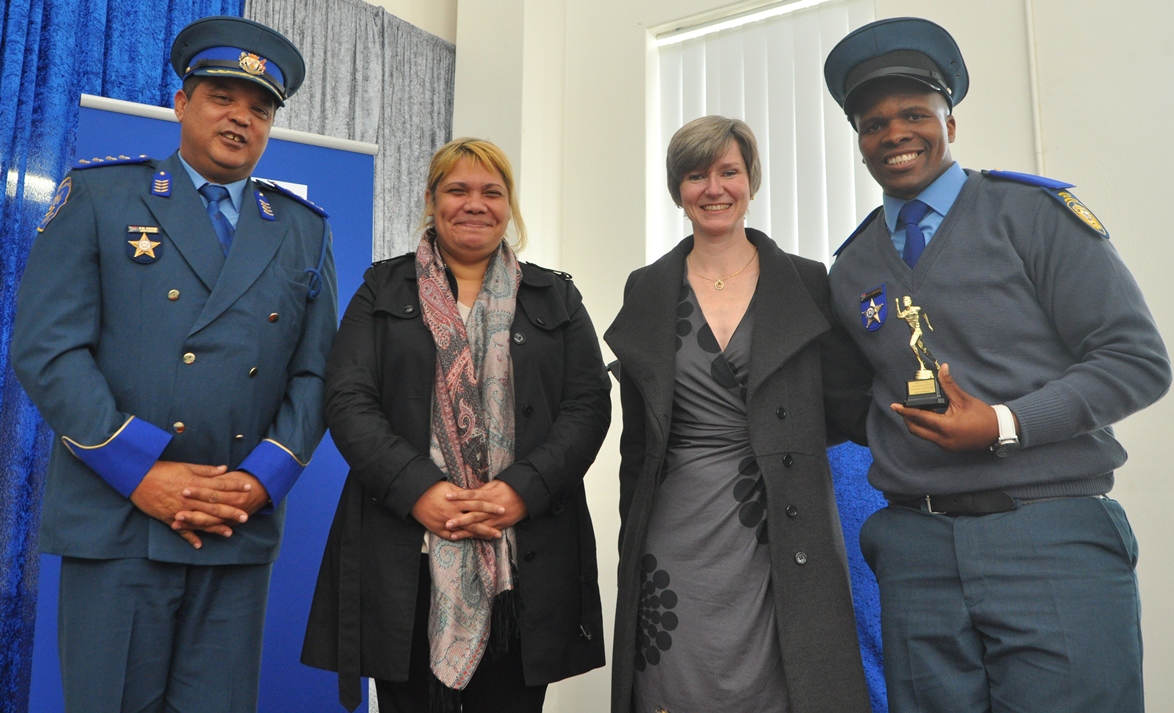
342, 182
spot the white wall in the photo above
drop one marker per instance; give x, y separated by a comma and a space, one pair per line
436, 16
581, 78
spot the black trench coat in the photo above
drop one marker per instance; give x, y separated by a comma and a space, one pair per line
802, 366
379, 387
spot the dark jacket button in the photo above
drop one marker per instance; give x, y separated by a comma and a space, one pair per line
526, 411
273, 317
788, 461
792, 511
556, 507
519, 338
408, 309
541, 322
781, 412
800, 558
529, 556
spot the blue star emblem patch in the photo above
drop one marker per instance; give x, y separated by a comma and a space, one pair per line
873, 309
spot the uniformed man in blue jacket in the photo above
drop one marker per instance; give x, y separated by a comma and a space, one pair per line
172, 327
1006, 573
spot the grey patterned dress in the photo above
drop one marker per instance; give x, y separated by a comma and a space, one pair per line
706, 639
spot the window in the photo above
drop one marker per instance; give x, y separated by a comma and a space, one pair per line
769, 73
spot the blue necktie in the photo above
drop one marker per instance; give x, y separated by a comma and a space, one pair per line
911, 214
224, 230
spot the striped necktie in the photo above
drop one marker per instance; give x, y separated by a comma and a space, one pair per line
214, 195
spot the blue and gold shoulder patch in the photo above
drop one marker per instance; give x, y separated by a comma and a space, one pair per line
84, 163
161, 184
1059, 192
59, 198
271, 186
859, 229
263, 206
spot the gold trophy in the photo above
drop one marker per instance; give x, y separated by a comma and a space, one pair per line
923, 391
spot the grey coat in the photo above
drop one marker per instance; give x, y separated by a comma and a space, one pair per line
802, 366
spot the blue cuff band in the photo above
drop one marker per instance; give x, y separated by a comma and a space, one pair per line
123, 460
275, 467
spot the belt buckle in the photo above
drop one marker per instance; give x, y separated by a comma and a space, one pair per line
929, 506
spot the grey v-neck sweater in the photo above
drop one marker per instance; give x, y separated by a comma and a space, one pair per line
1030, 308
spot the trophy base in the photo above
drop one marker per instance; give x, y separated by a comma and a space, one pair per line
925, 393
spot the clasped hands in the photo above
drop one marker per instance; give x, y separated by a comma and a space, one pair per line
191, 497
969, 424
455, 513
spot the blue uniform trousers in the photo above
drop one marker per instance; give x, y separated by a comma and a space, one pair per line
138, 636
1031, 610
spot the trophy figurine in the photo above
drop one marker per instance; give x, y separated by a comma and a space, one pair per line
923, 391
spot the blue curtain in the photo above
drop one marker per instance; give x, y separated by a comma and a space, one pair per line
52, 51
857, 500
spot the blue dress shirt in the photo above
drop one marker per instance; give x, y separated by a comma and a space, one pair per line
939, 196
236, 191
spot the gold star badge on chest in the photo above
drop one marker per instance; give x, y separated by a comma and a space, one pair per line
143, 249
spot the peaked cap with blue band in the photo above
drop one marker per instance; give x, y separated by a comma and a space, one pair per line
905, 47
236, 48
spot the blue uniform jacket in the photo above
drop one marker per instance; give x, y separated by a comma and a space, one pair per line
167, 350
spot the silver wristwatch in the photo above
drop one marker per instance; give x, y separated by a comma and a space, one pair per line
1008, 441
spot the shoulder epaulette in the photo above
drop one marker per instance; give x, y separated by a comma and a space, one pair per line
1058, 191
393, 259
271, 186
859, 229
84, 163
565, 275
1028, 179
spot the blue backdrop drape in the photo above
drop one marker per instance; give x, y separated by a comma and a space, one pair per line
52, 51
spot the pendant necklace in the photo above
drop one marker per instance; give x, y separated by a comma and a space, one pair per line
720, 283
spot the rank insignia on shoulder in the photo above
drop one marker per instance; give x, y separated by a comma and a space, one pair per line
873, 309
263, 206
95, 162
1028, 179
142, 249
161, 184
59, 199
278, 188
564, 275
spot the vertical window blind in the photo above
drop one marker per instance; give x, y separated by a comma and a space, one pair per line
769, 73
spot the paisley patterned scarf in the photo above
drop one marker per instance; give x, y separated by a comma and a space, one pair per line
472, 441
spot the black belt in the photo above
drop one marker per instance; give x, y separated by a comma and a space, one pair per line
983, 502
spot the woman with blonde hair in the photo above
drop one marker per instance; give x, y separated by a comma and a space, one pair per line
733, 580
467, 393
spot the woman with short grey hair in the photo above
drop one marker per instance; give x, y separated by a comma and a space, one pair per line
733, 581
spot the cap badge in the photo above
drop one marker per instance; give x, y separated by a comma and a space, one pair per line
251, 63
872, 308
142, 249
